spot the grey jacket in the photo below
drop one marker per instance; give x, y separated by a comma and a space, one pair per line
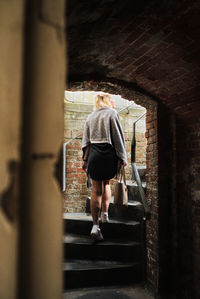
103, 126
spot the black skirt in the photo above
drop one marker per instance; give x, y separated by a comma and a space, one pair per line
102, 161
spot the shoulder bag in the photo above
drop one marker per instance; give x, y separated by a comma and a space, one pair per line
120, 192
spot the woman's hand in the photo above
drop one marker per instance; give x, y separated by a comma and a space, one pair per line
124, 163
84, 166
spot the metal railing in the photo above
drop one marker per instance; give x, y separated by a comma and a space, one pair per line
136, 173
64, 150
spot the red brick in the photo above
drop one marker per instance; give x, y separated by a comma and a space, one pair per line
67, 134
143, 68
141, 60
140, 41
71, 169
140, 52
134, 35
149, 125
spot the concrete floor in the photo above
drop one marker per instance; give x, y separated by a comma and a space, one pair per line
136, 292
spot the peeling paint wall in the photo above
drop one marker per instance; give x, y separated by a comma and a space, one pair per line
32, 76
11, 57
42, 132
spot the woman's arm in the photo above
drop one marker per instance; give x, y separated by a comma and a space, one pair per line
85, 153
124, 163
85, 145
85, 157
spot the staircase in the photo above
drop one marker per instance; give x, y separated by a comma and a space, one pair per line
120, 258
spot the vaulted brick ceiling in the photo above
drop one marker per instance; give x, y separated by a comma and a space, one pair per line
153, 44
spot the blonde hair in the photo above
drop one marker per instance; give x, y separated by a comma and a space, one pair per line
103, 100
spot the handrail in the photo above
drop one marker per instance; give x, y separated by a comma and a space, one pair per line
125, 108
136, 173
133, 144
139, 117
64, 150
141, 191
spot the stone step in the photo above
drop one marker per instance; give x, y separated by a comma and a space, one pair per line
81, 224
88, 273
142, 172
133, 190
82, 247
134, 210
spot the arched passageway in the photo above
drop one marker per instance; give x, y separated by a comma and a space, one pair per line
153, 47
158, 159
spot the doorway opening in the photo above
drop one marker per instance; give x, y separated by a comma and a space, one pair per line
79, 102
78, 105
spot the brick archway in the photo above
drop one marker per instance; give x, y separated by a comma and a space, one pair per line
158, 122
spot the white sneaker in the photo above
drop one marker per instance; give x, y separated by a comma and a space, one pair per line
104, 217
96, 234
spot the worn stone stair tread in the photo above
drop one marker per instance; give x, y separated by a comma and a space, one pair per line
114, 229
86, 273
133, 211
133, 183
82, 216
133, 203
86, 217
81, 239
85, 265
141, 166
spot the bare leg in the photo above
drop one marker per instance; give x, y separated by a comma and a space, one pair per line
106, 196
96, 199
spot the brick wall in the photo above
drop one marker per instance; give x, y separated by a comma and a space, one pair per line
76, 188
187, 211
152, 197
193, 149
154, 45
